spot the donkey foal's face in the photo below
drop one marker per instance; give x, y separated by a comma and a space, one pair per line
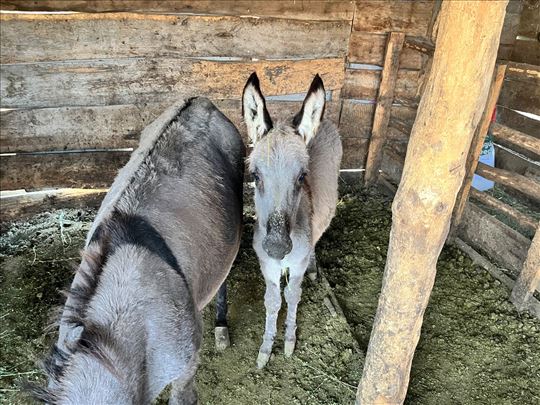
279, 162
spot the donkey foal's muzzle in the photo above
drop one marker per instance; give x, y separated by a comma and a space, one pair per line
277, 243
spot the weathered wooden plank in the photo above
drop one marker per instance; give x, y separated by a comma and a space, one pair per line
392, 165
529, 277
401, 125
523, 71
476, 146
382, 109
420, 44
356, 119
523, 184
401, 122
411, 17
518, 217
141, 80
57, 37
489, 235
77, 170
354, 153
28, 204
368, 48
516, 140
518, 121
511, 25
526, 50
294, 9
98, 169
522, 95
117, 126
363, 84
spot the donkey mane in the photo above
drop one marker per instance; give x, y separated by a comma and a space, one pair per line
116, 229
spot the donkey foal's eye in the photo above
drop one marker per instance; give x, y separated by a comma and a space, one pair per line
302, 177
255, 177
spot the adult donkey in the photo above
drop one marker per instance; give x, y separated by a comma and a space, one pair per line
296, 169
161, 245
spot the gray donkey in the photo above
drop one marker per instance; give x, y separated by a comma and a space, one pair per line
161, 245
296, 171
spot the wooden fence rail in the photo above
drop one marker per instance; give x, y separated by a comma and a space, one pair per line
521, 219
516, 140
525, 185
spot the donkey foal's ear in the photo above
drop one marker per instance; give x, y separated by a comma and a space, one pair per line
254, 110
310, 116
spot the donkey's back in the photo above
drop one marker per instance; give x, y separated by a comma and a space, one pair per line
161, 245
189, 187
325, 153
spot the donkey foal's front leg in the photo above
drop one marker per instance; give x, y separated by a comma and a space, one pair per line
272, 302
293, 292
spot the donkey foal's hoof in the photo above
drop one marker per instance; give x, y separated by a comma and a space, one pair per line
221, 334
289, 347
262, 359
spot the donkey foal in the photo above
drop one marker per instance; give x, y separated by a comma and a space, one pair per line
296, 169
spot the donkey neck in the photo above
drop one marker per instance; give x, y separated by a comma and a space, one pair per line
109, 360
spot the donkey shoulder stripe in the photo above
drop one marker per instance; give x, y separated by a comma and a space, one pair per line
135, 230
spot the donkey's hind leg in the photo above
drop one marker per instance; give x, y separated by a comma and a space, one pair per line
312, 270
221, 331
183, 392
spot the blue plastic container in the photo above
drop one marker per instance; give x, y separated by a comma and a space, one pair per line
487, 156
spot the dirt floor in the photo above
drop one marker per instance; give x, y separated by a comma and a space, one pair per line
474, 348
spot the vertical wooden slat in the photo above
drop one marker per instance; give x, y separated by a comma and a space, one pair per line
529, 278
476, 146
384, 103
450, 109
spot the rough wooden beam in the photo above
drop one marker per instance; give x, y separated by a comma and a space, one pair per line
77, 170
525, 185
420, 44
476, 146
401, 125
529, 278
521, 219
368, 48
57, 37
384, 103
143, 80
112, 126
365, 84
523, 70
410, 17
515, 139
494, 238
522, 94
294, 9
463, 63
24, 205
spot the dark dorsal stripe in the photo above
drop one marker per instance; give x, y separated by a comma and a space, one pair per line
135, 230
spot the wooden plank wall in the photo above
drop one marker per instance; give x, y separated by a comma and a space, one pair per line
75, 85
517, 92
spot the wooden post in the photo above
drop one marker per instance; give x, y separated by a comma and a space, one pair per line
529, 278
450, 109
476, 146
384, 104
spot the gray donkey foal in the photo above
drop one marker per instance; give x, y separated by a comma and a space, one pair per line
296, 171
161, 245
